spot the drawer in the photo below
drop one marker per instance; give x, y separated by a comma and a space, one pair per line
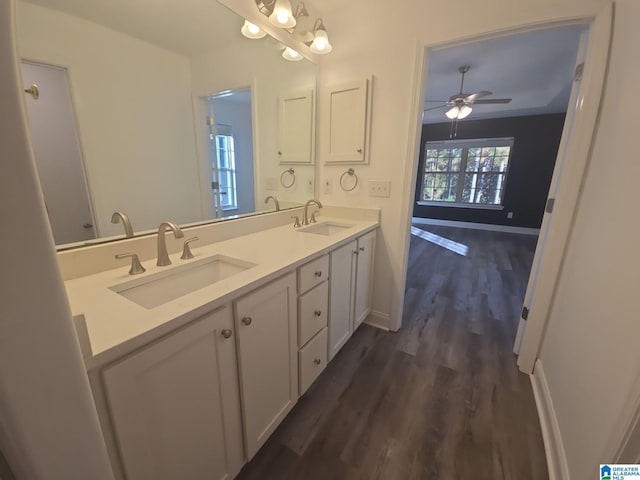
313, 273
312, 359
312, 308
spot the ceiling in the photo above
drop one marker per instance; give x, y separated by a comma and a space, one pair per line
535, 69
186, 27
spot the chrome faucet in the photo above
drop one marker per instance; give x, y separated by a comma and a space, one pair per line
275, 200
305, 217
117, 217
163, 256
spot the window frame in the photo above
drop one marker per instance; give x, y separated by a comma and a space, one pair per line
465, 145
225, 131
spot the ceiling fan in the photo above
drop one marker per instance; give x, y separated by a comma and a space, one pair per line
461, 103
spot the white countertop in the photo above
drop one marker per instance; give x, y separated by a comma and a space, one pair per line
116, 325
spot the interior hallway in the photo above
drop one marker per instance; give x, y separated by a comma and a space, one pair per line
441, 399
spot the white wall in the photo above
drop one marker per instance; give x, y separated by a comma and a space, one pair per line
258, 64
48, 423
133, 102
590, 353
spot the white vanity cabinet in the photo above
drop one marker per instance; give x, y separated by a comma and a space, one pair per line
266, 324
175, 406
351, 271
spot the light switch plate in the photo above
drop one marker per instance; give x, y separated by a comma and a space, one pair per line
379, 188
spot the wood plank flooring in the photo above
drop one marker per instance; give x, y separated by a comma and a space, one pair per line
440, 399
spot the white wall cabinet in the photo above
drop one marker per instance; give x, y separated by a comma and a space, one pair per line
266, 323
348, 122
175, 406
296, 127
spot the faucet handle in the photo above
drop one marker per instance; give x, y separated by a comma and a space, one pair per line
186, 250
313, 217
136, 266
296, 222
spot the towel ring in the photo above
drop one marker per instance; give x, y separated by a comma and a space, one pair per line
291, 172
351, 172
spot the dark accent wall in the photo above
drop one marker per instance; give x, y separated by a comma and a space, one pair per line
535, 146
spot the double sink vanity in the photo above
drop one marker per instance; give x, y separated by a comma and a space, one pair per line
194, 365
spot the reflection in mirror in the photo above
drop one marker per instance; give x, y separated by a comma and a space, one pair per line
168, 114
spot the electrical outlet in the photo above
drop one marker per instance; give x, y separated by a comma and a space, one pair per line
327, 186
379, 188
271, 183
310, 186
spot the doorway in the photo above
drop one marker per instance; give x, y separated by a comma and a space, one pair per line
584, 113
57, 152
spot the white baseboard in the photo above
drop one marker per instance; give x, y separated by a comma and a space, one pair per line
476, 226
379, 320
553, 446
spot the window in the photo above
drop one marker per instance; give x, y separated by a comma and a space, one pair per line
465, 172
226, 167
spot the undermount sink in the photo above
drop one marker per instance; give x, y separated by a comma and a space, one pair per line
325, 228
162, 287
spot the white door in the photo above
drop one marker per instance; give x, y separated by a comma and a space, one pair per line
56, 147
175, 405
364, 272
266, 322
341, 280
567, 178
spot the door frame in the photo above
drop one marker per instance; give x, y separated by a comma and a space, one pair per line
576, 163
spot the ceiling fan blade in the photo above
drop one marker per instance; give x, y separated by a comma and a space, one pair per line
433, 108
436, 101
474, 96
492, 100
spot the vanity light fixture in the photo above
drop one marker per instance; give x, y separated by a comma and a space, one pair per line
291, 55
320, 43
252, 31
282, 15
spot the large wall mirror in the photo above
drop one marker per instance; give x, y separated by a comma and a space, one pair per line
161, 110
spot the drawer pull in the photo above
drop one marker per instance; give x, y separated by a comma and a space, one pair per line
317, 313
226, 333
318, 274
317, 361
247, 320
361, 249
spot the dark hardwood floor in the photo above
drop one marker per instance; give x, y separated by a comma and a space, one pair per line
440, 399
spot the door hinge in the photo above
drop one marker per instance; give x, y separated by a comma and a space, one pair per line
215, 185
577, 74
210, 120
550, 204
525, 313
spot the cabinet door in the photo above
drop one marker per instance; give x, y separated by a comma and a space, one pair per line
266, 321
364, 274
296, 127
342, 284
175, 404
348, 122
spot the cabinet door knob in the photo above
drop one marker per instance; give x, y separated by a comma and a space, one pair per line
247, 320
318, 274
317, 361
359, 150
361, 249
355, 252
317, 313
226, 333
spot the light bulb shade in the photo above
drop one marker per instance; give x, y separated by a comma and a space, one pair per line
458, 112
321, 43
252, 31
282, 16
291, 55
